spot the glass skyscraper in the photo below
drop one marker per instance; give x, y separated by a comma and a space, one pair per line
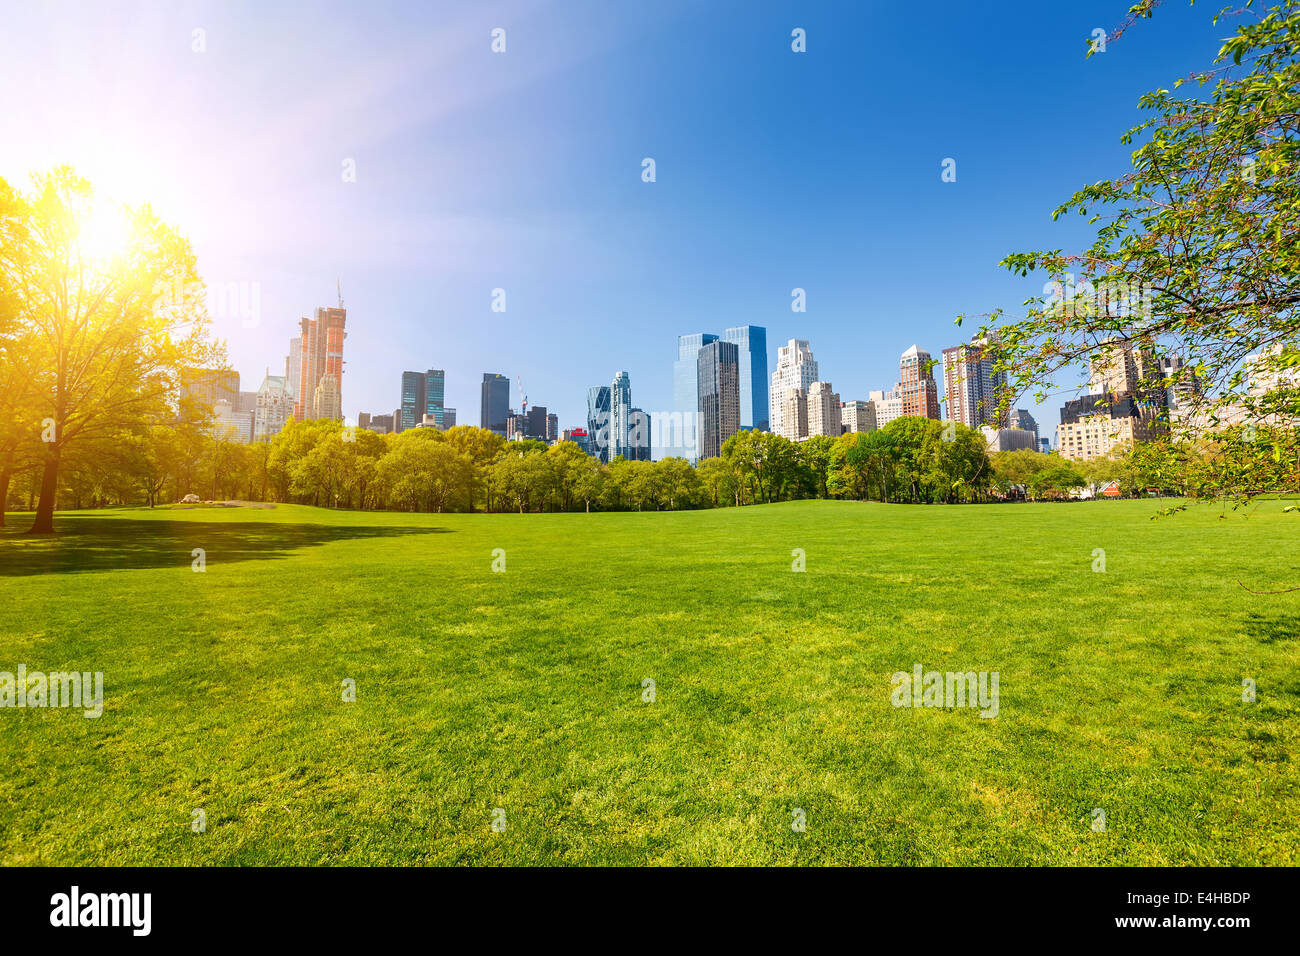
620, 416
495, 406
679, 436
719, 396
598, 420
422, 394
751, 340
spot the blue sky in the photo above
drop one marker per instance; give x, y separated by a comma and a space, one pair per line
522, 170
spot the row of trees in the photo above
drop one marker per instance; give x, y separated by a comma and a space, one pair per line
911, 460
464, 468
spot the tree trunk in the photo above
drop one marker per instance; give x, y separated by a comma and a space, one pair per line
4, 494
44, 523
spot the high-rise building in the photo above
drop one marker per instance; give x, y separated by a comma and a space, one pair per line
639, 436
1020, 419
794, 414
1009, 439
598, 420
327, 402
1094, 426
751, 340
823, 410
795, 369
412, 410
858, 416
495, 402
917, 387
434, 394
719, 400
422, 394
320, 350
1182, 385
972, 386
535, 424
205, 387
1123, 366
680, 435
231, 425
448, 418
381, 424
274, 406
887, 405
620, 416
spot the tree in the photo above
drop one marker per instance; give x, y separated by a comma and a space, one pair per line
1199, 253
424, 472
679, 483
718, 478
81, 280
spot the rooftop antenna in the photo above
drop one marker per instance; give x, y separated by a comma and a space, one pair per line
339, 285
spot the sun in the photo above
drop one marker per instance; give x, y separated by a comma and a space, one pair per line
103, 232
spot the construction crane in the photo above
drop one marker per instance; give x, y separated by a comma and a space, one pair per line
522, 397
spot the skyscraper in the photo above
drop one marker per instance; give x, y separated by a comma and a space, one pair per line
752, 342
495, 402
1021, 419
205, 387
422, 394
794, 414
823, 411
858, 416
638, 436
413, 403
320, 352
972, 387
887, 406
919, 392
598, 420
274, 406
719, 400
620, 416
795, 369
680, 436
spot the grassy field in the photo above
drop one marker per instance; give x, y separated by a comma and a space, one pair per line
523, 690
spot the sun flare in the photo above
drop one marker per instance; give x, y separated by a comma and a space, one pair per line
104, 232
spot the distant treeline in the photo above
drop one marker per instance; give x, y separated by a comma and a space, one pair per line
911, 460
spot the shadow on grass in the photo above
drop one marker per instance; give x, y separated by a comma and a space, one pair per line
86, 543
1269, 629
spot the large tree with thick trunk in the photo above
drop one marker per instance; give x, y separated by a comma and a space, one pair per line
102, 312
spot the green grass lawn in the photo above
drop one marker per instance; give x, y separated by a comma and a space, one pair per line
523, 690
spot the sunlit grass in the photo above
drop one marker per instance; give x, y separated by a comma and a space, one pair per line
523, 690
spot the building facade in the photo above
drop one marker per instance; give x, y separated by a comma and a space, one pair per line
972, 386
794, 414
823, 410
858, 416
887, 406
620, 416
598, 420
494, 404
755, 407
917, 388
719, 398
320, 356
796, 369
639, 435
274, 406
1097, 426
